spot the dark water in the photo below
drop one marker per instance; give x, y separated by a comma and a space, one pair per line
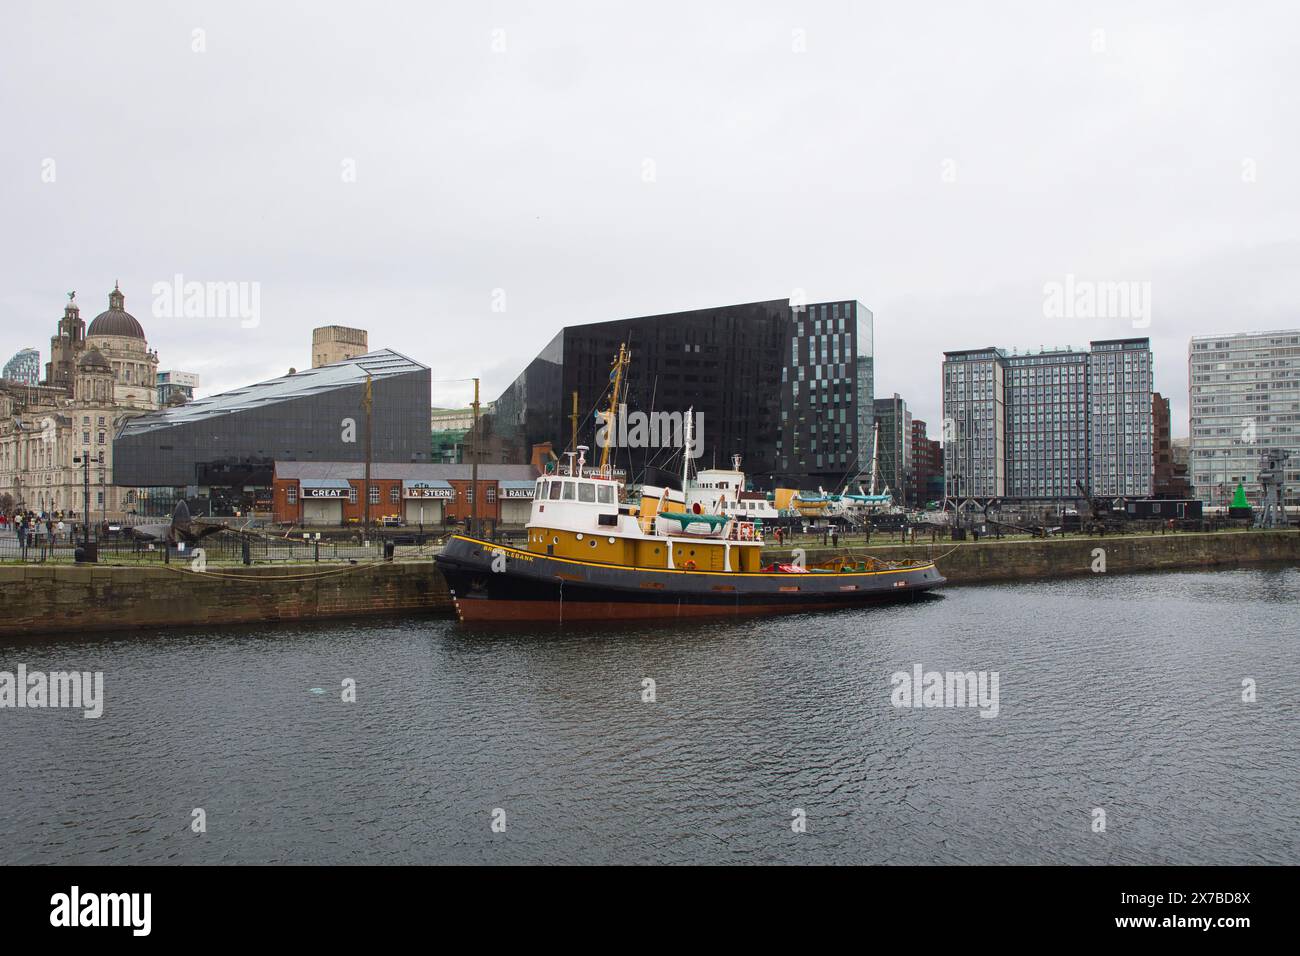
1120, 693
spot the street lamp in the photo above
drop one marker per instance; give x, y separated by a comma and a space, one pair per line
84, 461
1226, 493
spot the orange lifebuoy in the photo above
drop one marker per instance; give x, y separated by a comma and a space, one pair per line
689, 565
746, 531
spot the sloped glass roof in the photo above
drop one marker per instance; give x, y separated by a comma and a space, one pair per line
384, 363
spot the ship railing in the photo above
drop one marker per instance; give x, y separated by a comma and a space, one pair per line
741, 530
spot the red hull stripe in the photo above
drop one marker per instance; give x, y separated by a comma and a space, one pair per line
499, 610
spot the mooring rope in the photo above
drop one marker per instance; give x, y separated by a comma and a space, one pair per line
271, 577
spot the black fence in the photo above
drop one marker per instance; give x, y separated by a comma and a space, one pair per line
224, 548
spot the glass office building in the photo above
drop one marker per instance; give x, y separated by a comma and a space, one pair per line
827, 392
223, 447
784, 387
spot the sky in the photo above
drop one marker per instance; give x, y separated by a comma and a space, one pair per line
463, 180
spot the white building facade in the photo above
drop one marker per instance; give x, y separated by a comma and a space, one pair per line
1244, 400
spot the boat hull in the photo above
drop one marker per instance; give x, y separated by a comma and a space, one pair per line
491, 582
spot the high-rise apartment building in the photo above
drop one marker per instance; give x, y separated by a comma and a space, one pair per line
1047, 423
975, 423
1119, 394
894, 456
1244, 402
1038, 425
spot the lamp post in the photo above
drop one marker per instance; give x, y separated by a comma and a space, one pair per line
1226, 493
473, 473
84, 461
103, 492
368, 403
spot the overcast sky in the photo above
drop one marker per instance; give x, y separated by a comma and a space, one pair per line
391, 166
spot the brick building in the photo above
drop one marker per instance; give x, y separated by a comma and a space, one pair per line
927, 466
328, 493
1170, 477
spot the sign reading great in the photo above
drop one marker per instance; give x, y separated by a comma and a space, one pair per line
324, 492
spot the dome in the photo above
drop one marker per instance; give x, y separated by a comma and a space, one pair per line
116, 321
93, 358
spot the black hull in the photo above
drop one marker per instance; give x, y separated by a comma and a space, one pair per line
496, 583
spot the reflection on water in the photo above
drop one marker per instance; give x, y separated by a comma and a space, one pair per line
1119, 693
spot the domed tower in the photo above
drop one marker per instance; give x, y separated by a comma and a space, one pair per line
66, 346
120, 340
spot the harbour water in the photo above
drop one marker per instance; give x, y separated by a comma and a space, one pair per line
1115, 693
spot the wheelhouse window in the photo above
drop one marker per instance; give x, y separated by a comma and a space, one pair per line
569, 491
556, 487
605, 494
587, 493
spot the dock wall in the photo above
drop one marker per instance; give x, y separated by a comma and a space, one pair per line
1022, 559
71, 598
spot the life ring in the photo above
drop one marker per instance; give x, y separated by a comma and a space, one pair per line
689, 566
746, 531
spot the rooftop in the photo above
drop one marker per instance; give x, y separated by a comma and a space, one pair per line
380, 364
403, 471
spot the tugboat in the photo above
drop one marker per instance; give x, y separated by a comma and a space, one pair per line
591, 555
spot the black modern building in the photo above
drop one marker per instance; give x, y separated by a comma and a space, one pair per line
224, 447
788, 387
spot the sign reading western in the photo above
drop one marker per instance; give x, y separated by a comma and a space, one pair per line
428, 491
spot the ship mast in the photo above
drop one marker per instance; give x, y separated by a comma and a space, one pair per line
689, 436
620, 364
875, 462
